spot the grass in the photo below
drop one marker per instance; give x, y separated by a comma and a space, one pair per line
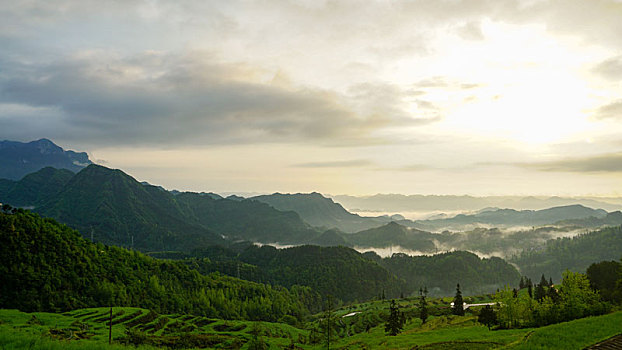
576, 334
19, 330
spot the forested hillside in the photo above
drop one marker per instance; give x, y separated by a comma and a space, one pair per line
34, 188
394, 234
575, 254
119, 210
46, 266
113, 208
348, 275
246, 219
440, 273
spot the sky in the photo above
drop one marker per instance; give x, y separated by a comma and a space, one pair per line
479, 97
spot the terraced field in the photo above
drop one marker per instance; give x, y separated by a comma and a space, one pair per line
134, 326
88, 329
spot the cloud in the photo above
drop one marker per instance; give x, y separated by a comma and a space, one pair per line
411, 168
354, 163
605, 163
471, 31
610, 69
393, 102
153, 98
610, 111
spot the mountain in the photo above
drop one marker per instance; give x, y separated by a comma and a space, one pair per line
611, 219
329, 238
19, 159
116, 209
432, 204
244, 219
321, 212
511, 217
46, 266
394, 234
34, 188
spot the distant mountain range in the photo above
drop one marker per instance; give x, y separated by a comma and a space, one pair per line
19, 159
398, 203
324, 213
511, 217
112, 207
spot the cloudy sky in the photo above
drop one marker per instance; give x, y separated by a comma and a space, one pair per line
344, 97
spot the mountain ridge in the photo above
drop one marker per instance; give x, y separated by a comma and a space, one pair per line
21, 158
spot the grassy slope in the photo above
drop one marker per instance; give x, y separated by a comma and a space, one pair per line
20, 330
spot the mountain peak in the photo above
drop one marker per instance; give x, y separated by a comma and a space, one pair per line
19, 159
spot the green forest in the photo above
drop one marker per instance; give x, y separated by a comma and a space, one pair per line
47, 266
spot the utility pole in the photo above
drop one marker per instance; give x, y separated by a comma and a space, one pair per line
110, 327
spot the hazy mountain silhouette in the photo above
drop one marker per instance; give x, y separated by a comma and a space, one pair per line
319, 211
19, 159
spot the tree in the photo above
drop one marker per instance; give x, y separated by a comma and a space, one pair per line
540, 291
487, 317
603, 277
423, 305
458, 302
577, 296
394, 323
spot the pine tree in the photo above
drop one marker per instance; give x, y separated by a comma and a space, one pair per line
543, 281
458, 302
394, 324
540, 292
423, 305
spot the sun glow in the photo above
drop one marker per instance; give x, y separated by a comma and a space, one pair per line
534, 109
528, 87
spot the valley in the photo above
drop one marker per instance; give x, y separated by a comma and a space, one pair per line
203, 270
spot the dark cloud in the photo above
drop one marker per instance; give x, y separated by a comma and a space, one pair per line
595, 164
151, 99
610, 111
355, 163
610, 68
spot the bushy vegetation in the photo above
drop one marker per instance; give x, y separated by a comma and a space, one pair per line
573, 298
